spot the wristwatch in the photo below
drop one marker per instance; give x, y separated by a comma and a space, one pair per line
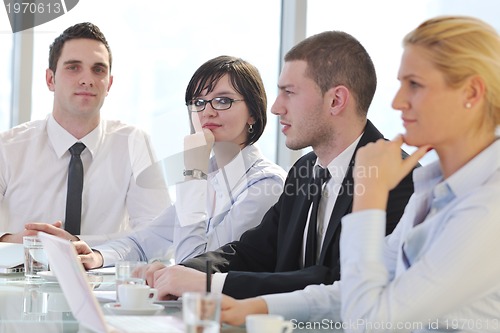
195, 173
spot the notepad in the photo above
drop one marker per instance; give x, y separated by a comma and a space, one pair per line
82, 301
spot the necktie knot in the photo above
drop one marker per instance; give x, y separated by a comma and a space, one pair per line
321, 174
77, 149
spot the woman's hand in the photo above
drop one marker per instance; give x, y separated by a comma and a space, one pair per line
234, 312
197, 148
378, 168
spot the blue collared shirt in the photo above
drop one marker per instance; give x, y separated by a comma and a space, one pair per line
454, 277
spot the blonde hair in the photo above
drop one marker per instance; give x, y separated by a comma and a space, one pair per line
461, 47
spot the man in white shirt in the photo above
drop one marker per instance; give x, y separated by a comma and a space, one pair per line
34, 156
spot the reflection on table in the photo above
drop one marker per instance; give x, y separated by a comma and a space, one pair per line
40, 306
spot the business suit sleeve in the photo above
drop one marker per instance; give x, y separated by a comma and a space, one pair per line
244, 284
249, 284
251, 263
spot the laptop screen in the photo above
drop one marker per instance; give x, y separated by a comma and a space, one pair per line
73, 280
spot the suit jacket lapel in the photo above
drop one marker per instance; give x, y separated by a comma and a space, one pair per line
297, 216
343, 204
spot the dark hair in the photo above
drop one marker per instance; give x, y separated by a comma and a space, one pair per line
245, 79
84, 30
337, 58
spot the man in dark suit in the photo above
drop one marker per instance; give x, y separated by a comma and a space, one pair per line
326, 86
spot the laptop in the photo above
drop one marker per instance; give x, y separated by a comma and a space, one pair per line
11, 258
81, 299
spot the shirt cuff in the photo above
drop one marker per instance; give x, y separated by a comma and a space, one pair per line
191, 201
218, 280
289, 305
109, 256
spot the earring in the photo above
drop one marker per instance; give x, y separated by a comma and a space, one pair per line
468, 105
250, 128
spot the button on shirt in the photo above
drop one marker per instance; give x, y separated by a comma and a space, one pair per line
34, 161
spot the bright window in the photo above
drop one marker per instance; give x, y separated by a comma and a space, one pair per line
157, 45
5, 75
380, 26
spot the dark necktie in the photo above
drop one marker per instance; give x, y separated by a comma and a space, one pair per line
320, 177
75, 188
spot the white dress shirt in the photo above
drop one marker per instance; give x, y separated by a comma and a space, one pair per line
207, 213
118, 175
337, 168
447, 278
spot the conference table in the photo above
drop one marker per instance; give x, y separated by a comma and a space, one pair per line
40, 306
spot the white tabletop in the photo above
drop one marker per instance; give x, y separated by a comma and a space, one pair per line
41, 307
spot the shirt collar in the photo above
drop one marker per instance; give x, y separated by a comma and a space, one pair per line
477, 171
473, 174
339, 165
62, 140
235, 170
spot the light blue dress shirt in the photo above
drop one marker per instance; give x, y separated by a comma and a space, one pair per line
451, 281
214, 212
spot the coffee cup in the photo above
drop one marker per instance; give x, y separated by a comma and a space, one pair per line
258, 323
136, 296
129, 272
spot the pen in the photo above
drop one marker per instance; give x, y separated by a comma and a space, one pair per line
208, 271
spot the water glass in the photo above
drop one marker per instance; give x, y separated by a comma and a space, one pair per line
201, 312
35, 259
35, 303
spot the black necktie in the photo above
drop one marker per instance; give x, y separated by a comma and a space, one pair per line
75, 187
320, 177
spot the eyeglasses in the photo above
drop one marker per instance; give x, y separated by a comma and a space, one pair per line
217, 103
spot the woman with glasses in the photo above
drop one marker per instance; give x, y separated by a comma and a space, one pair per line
228, 193
438, 270
229, 185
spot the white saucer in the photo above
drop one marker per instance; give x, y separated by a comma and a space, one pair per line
48, 276
117, 309
94, 280
174, 303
